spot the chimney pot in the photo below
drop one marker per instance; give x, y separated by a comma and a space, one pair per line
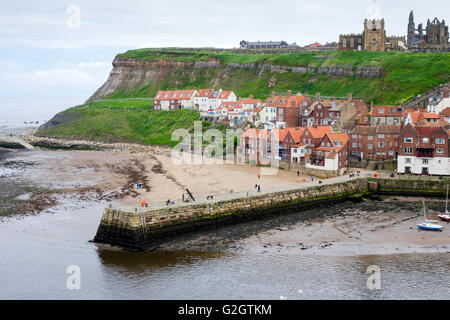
318, 95
272, 94
289, 93
350, 97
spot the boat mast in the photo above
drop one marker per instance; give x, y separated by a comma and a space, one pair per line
424, 211
446, 201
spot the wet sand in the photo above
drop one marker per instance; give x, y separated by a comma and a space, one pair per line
50, 181
112, 176
343, 229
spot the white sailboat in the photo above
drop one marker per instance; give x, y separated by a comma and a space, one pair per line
428, 224
446, 216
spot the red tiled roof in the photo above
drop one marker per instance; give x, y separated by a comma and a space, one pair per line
341, 137
386, 111
255, 133
205, 93
445, 112
174, 95
320, 131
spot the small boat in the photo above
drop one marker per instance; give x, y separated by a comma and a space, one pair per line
445, 216
428, 224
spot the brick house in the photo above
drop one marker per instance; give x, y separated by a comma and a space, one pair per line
386, 142
386, 115
445, 115
314, 135
424, 150
283, 109
253, 146
330, 112
420, 116
374, 143
332, 154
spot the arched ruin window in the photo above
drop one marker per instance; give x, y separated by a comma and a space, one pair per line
352, 43
344, 43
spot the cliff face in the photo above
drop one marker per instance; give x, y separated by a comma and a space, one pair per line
146, 77
128, 74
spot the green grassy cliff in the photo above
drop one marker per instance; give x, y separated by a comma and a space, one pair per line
399, 76
119, 112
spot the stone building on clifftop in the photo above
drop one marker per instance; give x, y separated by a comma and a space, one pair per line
434, 37
373, 38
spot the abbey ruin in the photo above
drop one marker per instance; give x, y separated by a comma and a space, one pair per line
433, 38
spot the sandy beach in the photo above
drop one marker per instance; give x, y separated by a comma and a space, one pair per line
113, 175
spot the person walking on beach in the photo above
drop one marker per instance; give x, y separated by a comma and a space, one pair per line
259, 176
259, 188
298, 173
312, 178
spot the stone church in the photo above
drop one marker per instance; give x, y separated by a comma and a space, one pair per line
373, 38
434, 37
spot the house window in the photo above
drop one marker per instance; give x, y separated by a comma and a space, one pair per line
380, 136
408, 140
407, 160
370, 146
370, 137
440, 151
354, 145
424, 161
354, 136
425, 140
380, 144
439, 141
408, 150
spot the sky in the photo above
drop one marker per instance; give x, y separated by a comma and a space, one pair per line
65, 48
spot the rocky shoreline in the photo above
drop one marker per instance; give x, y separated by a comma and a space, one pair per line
67, 144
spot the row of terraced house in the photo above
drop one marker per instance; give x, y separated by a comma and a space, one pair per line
327, 133
323, 141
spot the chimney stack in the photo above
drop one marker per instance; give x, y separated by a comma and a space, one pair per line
251, 96
350, 97
317, 95
371, 105
332, 98
446, 92
272, 94
289, 93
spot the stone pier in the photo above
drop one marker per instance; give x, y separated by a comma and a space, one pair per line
139, 229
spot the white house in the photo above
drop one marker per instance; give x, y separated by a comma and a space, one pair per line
441, 105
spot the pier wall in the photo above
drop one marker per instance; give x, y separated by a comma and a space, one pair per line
146, 229
410, 187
